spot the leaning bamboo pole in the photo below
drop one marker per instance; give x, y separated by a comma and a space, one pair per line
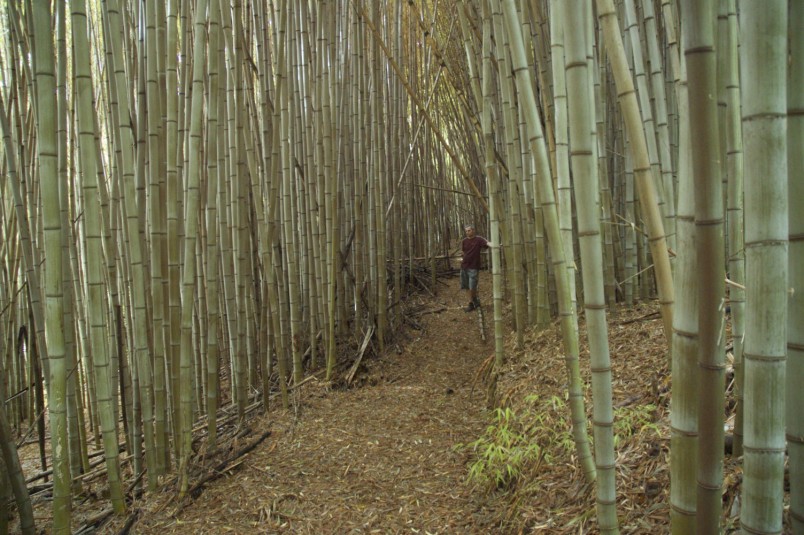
420, 105
642, 167
662, 122
645, 96
548, 204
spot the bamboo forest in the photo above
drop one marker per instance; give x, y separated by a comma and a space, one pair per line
233, 290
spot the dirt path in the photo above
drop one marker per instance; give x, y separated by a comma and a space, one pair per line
380, 458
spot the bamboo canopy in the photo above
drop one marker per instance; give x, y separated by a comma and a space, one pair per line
205, 204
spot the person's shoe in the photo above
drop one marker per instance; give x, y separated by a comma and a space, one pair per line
470, 307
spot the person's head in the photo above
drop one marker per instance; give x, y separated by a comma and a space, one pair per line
469, 230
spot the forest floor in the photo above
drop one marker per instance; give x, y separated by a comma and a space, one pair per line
393, 451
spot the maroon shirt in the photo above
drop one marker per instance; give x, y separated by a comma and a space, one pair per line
471, 251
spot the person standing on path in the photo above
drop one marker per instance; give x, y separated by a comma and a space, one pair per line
471, 246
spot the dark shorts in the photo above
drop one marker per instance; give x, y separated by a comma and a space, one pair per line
468, 279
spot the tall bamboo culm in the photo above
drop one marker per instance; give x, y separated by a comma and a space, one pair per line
55, 366
547, 201
795, 311
763, 64
699, 50
684, 362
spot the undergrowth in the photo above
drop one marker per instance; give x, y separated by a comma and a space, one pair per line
517, 441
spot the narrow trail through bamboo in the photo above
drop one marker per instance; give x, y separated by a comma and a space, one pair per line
381, 456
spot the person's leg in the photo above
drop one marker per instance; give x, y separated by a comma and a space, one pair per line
473, 300
465, 281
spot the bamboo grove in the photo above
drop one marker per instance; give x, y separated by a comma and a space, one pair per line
203, 202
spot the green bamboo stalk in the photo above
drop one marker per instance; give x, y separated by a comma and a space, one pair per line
265, 80
492, 181
734, 211
547, 202
662, 122
558, 14
699, 50
649, 202
214, 178
510, 231
274, 272
68, 246
56, 372
173, 152
157, 230
97, 294
192, 184
331, 203
763, 64
587, 188
291, 247
795, 300
645, 96
125, 142
684, 403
